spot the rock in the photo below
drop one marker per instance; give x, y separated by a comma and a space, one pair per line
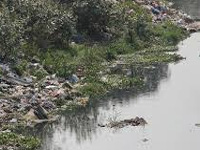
83, 101
13, 79
188, 20
7, 109
2, 113
34, 100
67, 85
53, 76
40, 112
5, 85
170, 4
139, 121
28, 79
194, 27
30, 116
48, 105
57, 93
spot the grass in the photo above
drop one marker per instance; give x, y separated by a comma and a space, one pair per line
19, 141
95, 58
1, 71
136, 41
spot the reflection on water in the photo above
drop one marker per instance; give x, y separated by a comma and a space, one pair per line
171, 107
75, 128
191, 7
169, 102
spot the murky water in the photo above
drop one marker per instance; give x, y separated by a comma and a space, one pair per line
191, 7
171, 107
170, 103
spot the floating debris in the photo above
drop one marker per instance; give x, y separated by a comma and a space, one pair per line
127, 122
197, 124
145, 140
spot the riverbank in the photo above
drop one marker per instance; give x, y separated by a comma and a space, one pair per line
31, 92
170, 101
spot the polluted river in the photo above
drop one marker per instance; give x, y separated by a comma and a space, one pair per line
170, 104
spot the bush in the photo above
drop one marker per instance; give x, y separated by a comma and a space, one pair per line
93, 17
59, 62
133, 21
23, 143
20, 67
10, 35
169, 33
44, 22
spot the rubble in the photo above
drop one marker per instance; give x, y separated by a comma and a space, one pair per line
21, 95
164, 11
194, 27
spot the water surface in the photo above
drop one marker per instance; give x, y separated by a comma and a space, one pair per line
171, 108
170, 103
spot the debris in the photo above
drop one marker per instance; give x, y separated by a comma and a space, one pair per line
40, 112
101, 125
51, 87
14, 120
194, 27
83, 101
23, 96
127, 122
197, 124
30, 116
145, 140
74, 78
68, 85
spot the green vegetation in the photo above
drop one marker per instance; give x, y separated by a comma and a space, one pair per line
1, 71
18, 141
20, 67
102, 30
59, 37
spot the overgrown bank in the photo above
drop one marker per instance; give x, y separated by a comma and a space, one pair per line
55, 55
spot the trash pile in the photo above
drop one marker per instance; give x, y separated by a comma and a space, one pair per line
164, 11
22, 98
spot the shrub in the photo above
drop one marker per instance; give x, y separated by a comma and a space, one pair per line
93, 17
45, 22
20, 67
59, 62
169, 33
10, 35
12, 139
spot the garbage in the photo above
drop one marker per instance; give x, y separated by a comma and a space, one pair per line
74, 78
23, 96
